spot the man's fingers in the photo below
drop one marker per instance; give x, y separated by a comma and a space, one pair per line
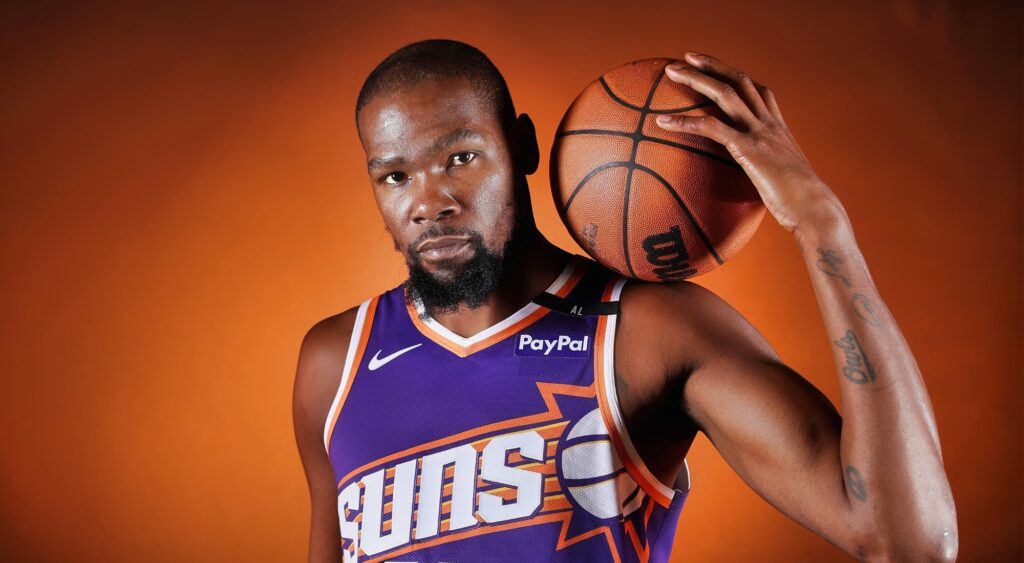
723, 94
739, 80
704, 125
769, 101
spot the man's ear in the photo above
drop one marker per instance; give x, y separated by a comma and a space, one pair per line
524, 135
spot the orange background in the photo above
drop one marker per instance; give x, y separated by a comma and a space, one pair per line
184, 194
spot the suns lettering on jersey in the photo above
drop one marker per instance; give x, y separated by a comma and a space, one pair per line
506, 491
481, 481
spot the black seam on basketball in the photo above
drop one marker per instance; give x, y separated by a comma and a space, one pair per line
624, 103
642, 137
682, 205
617, 99
694, 150
587, 178
593, 132
632, 166
684, 108
625, 216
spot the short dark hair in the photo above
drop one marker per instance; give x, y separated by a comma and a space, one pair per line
433, 59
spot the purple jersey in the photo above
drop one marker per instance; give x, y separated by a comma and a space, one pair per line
508, 445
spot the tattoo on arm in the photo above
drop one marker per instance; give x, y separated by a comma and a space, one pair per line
828, 262
865, 309
855, 483
857, 369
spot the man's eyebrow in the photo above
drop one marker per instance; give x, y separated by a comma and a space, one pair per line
455, 136
384, 162
442, 143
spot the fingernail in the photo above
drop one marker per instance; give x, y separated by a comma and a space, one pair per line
664, 119
676, 66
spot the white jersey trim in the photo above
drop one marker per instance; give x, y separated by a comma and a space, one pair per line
683, 479
526, 311
346, 372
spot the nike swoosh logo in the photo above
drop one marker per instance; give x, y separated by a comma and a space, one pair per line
376, 362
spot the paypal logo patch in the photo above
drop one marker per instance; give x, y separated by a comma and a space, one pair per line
556, 345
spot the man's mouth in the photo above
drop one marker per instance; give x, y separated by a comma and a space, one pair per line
443, 248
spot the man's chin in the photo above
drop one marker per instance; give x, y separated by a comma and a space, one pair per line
444, 271
467, 279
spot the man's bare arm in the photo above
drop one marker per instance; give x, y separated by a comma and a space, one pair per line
321, 360
779, 433
891, 465
891, 457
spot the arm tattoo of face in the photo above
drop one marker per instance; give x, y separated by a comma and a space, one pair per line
857, 369
855, 483
828, 262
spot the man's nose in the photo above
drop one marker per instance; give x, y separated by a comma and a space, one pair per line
435, 199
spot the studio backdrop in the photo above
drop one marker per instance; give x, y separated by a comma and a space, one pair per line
183, 195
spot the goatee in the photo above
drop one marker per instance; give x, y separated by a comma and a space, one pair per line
471, 285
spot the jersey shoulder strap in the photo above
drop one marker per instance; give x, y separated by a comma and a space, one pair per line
586, 299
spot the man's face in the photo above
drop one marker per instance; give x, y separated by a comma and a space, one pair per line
444, 180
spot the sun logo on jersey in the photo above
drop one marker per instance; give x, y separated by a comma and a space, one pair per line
593, 474
528, 471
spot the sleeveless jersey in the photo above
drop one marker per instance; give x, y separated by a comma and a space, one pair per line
508, 445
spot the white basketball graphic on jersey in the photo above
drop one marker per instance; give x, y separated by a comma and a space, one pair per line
593, 474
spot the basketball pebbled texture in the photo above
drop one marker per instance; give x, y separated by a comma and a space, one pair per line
649, 203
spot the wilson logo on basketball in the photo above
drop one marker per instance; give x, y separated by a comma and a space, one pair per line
667, 253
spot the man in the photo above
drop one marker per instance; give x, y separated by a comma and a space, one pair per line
512, 403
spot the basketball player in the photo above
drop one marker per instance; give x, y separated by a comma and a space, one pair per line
511, 402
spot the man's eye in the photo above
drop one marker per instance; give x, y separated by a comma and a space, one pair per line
459, 159
394, 178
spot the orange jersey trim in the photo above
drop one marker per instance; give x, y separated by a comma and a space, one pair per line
635, 467
642, 552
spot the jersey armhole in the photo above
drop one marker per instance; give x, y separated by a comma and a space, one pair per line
356, 347
604, 374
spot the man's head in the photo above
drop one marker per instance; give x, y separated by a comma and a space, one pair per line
448, 158
435, 59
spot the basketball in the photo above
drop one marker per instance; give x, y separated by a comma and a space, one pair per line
649, 203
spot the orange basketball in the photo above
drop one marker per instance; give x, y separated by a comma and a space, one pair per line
649, 203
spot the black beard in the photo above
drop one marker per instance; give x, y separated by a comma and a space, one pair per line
471, 286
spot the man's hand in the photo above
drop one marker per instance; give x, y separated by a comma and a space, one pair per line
757, 138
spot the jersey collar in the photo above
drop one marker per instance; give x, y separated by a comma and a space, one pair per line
463, 346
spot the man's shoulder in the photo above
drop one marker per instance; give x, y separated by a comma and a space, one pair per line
672, 306
321, 357
684, 323
329, 337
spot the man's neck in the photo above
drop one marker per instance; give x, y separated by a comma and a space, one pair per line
535, 267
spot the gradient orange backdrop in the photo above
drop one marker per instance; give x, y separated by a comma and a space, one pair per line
184, 194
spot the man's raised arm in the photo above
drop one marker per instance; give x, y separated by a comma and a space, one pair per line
890, 461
